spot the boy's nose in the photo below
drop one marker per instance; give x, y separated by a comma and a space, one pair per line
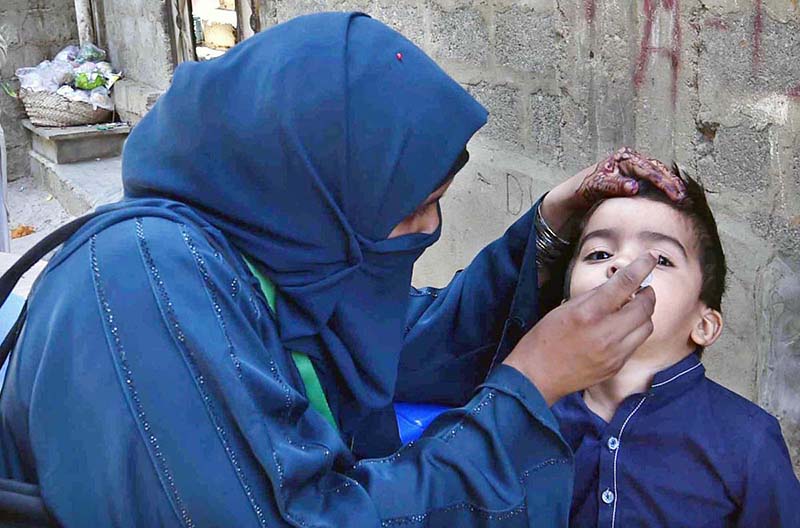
615, 266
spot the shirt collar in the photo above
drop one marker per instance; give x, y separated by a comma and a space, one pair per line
678, 377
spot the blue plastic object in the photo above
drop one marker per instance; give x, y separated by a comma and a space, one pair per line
414, 418
8, 316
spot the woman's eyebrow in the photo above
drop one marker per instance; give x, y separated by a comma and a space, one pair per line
655, 236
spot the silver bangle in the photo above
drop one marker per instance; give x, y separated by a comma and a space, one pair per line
550, 247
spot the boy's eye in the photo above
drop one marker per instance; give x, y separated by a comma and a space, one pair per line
597, 255
664, 261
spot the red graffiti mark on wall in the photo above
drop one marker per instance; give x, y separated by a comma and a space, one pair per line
716, 23
590, 8
758, 28
647, 48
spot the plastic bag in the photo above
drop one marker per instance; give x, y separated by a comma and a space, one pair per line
68, 54
105, 68
89, 81
80, 96
47, 76
61, 72
90, 53
87, 77
100, 99
112, 79
29, 79
86, 67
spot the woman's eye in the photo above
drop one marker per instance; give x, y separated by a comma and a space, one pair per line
664, 261
597, 255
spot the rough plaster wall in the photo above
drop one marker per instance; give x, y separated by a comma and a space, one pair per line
138, 40
713, 85
35, 30
139, 43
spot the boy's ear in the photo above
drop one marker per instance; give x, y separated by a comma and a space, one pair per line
708, 328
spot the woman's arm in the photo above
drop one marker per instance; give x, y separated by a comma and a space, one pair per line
148, 392
454, 334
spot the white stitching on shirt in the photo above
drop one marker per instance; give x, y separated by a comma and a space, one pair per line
616, 453
676, 376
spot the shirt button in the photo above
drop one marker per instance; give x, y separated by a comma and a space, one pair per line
607, 496
613, 443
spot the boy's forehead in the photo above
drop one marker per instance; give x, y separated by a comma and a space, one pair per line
630, 216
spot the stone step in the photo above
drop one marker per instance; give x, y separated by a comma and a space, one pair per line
78, 143
82, 186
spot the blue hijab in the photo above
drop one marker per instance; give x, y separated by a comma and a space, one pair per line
305, 146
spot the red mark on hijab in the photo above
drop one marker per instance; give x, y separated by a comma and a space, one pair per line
399, 56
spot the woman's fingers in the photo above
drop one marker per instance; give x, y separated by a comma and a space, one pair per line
590, 337
617, 175
634, 339
605, 181
617, 291
635, 315
634, 165
627, 329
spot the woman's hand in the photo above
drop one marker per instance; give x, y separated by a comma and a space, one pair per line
617, 175
590, 337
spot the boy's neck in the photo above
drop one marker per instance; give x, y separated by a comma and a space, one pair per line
635, 377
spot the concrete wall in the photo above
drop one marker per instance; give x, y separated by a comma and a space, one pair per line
136, 34
139, 40
35, 30
713, 85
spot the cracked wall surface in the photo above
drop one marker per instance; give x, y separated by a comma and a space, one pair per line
713, 85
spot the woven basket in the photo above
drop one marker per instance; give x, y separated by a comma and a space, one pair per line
54, 110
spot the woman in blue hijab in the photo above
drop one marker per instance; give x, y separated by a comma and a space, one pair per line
222, 348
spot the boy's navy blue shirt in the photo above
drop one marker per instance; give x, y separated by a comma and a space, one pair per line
689, 452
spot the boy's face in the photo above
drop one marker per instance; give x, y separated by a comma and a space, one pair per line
621, 229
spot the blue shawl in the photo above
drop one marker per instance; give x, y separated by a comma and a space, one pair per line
325, 133
152, 386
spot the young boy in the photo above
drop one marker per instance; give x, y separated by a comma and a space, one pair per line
659, 444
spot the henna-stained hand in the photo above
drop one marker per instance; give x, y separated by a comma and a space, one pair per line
618, 175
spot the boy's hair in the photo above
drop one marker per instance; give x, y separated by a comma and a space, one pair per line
694, 207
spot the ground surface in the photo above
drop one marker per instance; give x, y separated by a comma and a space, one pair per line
32, 205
